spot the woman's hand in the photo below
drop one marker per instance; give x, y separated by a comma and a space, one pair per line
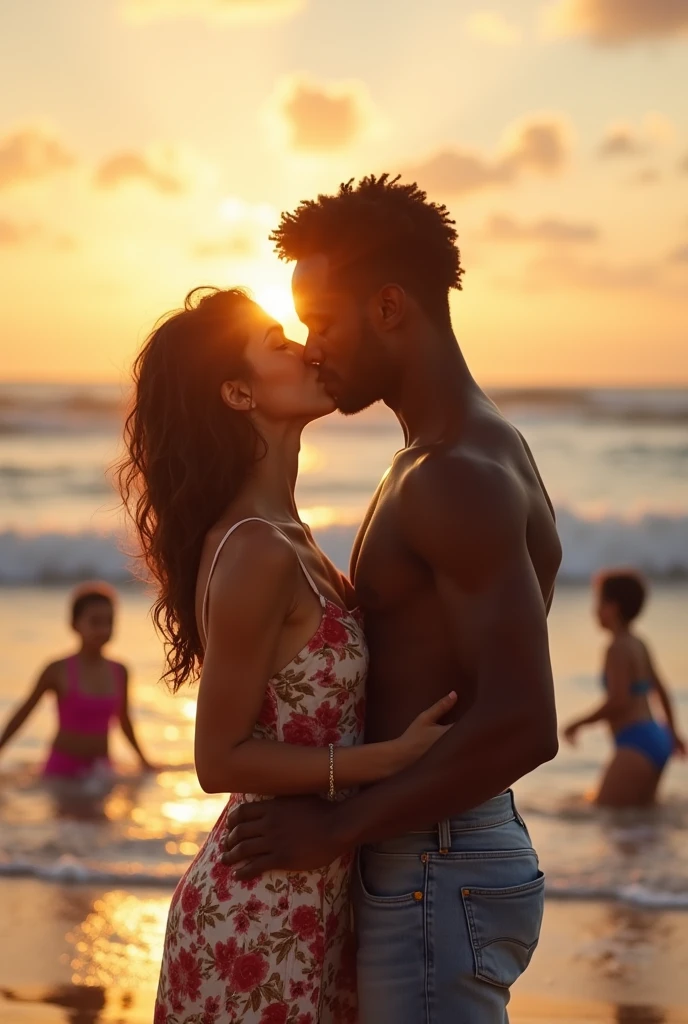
422, 733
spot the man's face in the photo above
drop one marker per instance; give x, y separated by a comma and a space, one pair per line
353, 363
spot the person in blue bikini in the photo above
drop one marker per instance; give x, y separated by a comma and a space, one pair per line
643, 744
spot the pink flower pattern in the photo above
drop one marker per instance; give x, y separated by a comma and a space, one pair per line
278, 950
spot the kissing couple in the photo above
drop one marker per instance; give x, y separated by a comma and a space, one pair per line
371, 865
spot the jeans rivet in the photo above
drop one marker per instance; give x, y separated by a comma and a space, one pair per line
418, 895
466, 892
424, 858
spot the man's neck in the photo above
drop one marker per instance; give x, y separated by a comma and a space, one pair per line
433, 389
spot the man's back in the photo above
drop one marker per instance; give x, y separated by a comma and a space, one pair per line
417, 652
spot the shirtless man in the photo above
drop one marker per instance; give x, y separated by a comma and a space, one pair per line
454, 568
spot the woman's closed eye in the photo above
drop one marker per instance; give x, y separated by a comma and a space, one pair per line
277, 339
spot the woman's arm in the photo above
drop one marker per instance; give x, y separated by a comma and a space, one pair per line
618, 673
251, 596
127, 725
46, 681
667, 707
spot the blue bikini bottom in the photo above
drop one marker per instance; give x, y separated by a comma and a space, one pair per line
649, 738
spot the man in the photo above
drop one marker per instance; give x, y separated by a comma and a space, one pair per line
454, 568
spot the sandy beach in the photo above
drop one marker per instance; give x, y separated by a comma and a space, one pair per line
86, 955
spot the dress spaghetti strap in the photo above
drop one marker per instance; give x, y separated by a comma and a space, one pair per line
213, 564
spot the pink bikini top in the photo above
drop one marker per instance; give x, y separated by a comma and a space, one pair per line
83, 712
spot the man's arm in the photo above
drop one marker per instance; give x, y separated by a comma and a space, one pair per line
467, 521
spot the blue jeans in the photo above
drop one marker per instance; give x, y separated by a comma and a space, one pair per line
447, 919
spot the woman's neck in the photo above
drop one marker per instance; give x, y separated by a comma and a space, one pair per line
270, 488
91, 654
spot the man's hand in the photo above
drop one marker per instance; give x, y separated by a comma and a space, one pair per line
290, 833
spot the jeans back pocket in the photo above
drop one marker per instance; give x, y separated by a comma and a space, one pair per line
504, 926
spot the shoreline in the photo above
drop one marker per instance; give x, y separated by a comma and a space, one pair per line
90, 954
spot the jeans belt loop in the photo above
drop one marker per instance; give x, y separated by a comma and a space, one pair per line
444, 837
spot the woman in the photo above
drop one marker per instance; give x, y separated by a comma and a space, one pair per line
643, 745
248, 601
91, 692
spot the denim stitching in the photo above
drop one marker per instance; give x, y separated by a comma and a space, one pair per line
511, 890
427, 922
405, 898
492, 823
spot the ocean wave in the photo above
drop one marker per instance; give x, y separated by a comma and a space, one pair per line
69, 870
65, 408
655, 544
59, 408
633, 893
55, 557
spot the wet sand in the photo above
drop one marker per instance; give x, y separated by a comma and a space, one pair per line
86, 955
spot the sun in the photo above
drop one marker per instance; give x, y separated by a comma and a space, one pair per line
275, 300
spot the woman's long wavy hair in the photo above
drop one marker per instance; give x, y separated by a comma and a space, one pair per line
187, 456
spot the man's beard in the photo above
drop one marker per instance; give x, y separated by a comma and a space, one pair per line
370, 374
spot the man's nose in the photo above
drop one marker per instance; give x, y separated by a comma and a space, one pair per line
313, 352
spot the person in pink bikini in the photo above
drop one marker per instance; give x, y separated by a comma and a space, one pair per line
91, 692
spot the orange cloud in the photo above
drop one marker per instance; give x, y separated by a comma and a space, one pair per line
492, 27
29, 155
679, 255
646, 176
246, 235
14, 235
621, 141
124, 168
503, 228
617, 21
624, 140
321, 117
211, 10
537, 144
231, 247
567, 271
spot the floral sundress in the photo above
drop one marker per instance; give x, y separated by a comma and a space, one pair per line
279, 949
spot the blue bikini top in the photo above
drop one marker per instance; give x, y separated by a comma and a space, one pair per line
639, 688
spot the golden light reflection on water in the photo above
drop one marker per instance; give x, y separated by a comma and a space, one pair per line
311, 458
202, 813
120, 941
318, 516
188, 710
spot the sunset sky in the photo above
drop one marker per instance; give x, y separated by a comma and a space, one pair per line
147, 146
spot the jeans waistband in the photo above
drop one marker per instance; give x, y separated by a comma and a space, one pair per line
497, 811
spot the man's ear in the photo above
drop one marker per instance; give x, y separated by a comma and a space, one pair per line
387, 307
236, 394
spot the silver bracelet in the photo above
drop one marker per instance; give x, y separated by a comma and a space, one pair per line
332, 793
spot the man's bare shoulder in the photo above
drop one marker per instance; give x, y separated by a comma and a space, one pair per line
464, 509
461, 480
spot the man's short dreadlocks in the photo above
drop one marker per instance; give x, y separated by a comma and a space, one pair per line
379, 231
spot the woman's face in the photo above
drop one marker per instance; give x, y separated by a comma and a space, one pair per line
95, 624
606, 613
283, 386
